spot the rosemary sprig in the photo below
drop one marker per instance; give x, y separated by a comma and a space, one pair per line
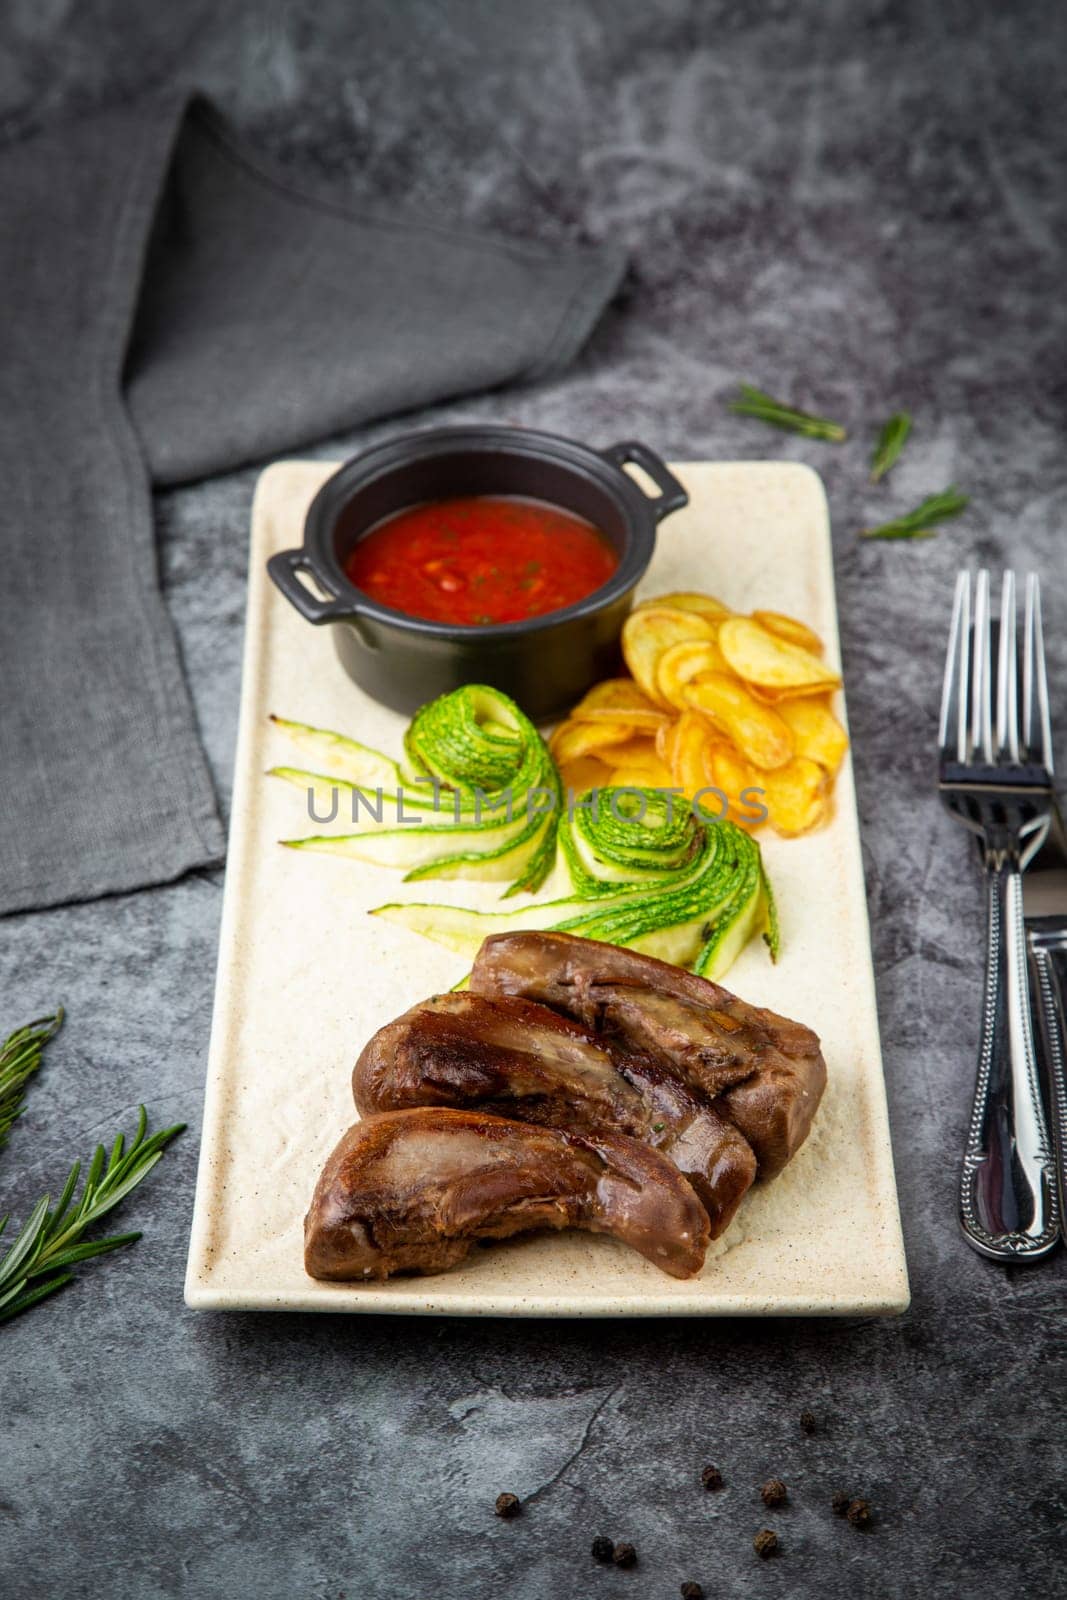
20, 1056
891, 442
918, 524
50, 1241
754, 403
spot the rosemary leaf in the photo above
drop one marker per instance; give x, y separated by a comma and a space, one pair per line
755, 403
30, 1297
25, 1243
20, 1056
919, 524
891, 442
50, 1241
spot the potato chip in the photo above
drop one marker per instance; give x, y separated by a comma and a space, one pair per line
656, 776
705, 605
637, 752
650, 631
613, 694
618, 700
687, 754
665, 738
721, 706
682, 662
639, 722
726, 768
790, 629
770, 662
774, 697
797, 796
756, 729
585, 773
574, 739
816, 731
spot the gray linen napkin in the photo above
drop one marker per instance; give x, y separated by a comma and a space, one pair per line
174, 306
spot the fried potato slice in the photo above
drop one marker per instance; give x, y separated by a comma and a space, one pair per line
687, 753
797, 796
790, 629
665, 738
769, 662
583, 774
618, 700
650, 631
727, 770
572, 740
637, 752
613, 694
756, 729
654, 776
682, 662
817, 733
639, 722
705, 605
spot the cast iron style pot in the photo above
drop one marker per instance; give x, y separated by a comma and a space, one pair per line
546, 662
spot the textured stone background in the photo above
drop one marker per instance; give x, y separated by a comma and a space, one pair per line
856, 204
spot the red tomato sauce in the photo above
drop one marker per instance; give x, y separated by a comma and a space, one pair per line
481, 559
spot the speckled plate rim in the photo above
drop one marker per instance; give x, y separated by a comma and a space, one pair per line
869, 1277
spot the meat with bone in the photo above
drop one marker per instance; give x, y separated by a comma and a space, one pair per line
765, 1072
410, 1191
518, 1059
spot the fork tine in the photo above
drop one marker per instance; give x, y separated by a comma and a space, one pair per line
1007, 673
1038, 725
981, 675
954, 686
1028, 667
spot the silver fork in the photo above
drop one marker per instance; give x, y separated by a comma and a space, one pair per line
995, 776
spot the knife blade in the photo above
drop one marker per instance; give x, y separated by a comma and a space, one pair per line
1045, 917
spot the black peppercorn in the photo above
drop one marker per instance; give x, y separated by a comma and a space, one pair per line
692, 1591
603, 1549
625, 1555
841, 1502
711, 1478
765, 1543
807, 1422
859, 1513
508, 1505
774, 1493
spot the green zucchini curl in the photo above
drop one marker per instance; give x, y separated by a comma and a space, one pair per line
477, 795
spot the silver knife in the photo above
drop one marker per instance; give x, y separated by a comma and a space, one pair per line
1045, 915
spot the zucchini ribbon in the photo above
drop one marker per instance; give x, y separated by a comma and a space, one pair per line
478, 796
646, 873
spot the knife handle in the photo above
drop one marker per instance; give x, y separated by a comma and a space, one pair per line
1009, 1204
1048, 972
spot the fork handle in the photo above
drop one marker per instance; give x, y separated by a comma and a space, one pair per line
1009, 1205
1048, 967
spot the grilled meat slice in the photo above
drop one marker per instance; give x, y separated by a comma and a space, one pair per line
410, 1191
514, 1058
768, 1071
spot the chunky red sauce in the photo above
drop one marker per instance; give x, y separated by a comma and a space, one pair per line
481, 559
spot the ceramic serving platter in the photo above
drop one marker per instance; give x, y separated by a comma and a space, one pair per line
306, 976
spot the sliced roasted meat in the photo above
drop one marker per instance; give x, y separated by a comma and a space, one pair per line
410, 1191
768, 1071
518, 1059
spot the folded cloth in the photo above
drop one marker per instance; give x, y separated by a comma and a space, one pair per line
174, 306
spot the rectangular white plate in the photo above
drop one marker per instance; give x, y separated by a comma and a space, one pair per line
305, 977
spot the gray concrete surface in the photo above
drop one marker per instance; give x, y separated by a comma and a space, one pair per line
859, 205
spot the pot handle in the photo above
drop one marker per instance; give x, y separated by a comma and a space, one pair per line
283, 569
671, 495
